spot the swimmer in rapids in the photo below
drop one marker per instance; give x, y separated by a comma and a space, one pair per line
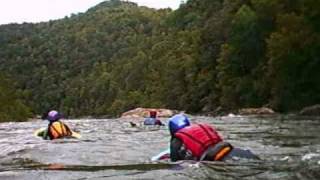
200, 142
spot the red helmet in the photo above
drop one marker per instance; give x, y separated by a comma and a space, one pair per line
153, 114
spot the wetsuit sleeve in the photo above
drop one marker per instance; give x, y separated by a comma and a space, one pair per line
158, 122
48, 135
45, 135
175, 146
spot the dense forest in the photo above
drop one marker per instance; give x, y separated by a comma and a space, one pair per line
208, 54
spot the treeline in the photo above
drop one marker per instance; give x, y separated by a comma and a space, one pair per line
208, 54
12, 108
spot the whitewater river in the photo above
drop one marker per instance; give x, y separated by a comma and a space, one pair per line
289, 148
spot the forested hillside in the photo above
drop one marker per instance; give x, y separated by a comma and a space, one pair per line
207, 54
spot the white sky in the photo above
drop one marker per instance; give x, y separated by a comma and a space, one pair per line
19, 11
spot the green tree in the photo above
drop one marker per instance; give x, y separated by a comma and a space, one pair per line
11, 107
293, 62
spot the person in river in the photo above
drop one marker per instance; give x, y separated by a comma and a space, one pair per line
200, 142
153, 120
56, 128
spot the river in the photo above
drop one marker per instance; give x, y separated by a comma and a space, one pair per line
289, 148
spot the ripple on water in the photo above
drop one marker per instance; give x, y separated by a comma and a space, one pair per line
113, 149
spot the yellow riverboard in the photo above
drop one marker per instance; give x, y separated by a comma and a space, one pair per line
76, 135
40, 131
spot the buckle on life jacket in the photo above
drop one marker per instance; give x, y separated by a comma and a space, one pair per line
217, 152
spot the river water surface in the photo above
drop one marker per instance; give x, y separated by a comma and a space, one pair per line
289, 148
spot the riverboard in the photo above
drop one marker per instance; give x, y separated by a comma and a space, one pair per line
39, 133
162, 155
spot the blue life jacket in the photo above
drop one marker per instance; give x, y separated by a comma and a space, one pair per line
150, 121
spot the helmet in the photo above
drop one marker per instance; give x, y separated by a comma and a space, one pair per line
153, 114
178, 122
53, 115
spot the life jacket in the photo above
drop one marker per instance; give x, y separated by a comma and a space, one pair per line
58, 129
197, 138
150, 121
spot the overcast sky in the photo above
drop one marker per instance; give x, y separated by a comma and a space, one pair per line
19, 11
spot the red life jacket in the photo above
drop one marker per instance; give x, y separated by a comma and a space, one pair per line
197, 138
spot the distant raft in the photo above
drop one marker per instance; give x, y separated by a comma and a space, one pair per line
41, 131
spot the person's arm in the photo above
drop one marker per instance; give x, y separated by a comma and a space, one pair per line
47, 134
175, 152
158, 122
68, 129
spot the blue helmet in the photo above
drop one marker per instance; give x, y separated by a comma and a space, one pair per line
178, 122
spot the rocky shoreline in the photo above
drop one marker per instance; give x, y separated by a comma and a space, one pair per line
166, 113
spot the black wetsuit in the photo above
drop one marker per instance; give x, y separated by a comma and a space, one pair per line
179, 152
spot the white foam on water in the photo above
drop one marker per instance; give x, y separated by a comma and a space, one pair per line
309, 156
196, 165
286, 158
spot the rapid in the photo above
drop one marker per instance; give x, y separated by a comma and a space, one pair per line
288, 145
